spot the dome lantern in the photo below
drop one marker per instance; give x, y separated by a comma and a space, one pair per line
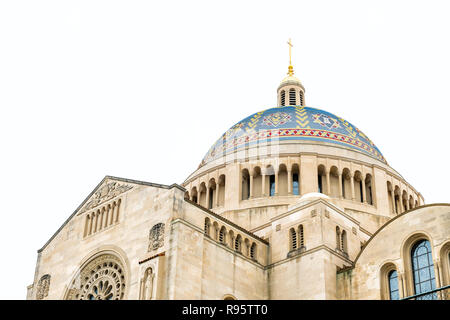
290, 92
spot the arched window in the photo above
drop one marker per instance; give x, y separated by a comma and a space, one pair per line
319, 180
295, 189
194, 197
272, 185
338, 238
301, 236
292, 97
344, 241
293, 238
222, 234
302, 100
320, 173
360, 191
253, 251
245, 184
423, 269
206, 227
393, 285
283, 98
237, 243
210, 198
343, 186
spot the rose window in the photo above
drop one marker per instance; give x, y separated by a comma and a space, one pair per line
101, 279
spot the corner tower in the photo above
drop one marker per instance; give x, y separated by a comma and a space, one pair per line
290, 92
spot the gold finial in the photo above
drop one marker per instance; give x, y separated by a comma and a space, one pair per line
290, 68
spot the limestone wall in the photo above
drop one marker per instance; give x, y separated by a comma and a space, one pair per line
392, 245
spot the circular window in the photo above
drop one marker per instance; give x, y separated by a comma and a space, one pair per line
103, 278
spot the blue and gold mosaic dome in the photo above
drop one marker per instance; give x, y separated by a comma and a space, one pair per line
292, 123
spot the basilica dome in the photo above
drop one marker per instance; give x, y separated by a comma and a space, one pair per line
294, 123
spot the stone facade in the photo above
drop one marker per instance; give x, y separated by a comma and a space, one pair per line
301, 218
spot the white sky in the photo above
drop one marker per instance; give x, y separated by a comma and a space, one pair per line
142, 89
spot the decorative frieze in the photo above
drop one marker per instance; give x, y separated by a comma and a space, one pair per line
105, 193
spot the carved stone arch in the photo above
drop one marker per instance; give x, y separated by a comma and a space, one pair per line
444, 264
269, 170
405, 252
103, 274
156, 237
255, 171
386, 268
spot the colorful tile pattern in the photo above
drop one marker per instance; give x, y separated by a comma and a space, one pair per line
292, 123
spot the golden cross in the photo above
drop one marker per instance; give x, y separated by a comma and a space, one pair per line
290, 46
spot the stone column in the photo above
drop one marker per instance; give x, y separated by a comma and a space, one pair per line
400, 204
251, 187
341, 195
327, 173
352, 183
217, 193
263, 185
207, 197
289, 182
363, 182
401, 277
407, 202
276, 183
437, 265
97, 213
393, 201
90, 223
